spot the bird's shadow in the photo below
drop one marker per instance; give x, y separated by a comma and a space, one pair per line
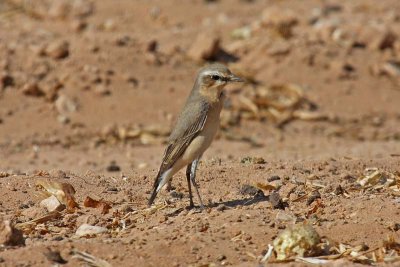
241, 202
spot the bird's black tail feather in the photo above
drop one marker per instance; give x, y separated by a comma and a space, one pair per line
153, 196
155, 186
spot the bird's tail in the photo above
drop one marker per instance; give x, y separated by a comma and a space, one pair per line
153, 196
160, 181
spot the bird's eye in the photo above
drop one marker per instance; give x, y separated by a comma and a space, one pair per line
215, 77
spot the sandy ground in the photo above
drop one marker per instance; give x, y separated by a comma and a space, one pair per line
90, 90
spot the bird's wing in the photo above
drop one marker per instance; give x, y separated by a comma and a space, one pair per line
185, 131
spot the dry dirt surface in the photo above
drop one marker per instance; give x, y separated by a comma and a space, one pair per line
89, 91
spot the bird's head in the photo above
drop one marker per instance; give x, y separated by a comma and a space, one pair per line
213, 78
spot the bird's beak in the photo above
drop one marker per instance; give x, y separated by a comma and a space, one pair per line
234, 78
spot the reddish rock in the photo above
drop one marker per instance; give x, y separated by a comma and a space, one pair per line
273, 16
10, 236
205, 47
57, 49
32, 89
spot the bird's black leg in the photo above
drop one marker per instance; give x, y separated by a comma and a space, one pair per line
188, 170
193, 179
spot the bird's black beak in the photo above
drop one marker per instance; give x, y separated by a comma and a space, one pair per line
234, 78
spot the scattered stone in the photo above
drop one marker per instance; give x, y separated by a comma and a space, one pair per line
40, 70
391, 68
90, 230
10, 236
4, 174
57, 238
59, 174
6, 80
81, 8
109, 25
38, 49
54, 256
152, 46
323, 29
285, 217
102, 90
253, 160
276, 201
32, 89
78, 25
65, 105
342, 70
87, 219
282, 20
273, 178
51, 204
314, 196
221, 257
169, 49
123, 40
155, 12
176, 194
127, 208
132, 80
34, 212
112, 189
395, 227
348, 178
279, 48
62, 9
299, 240
249, 190
205, 47
383, 40
63, 119
58, 49
339, 190
152, 59
51, 89
243, 33
277, 16
222, 207
113, 167
58, 9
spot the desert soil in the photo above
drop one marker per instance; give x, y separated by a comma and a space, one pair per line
90, 90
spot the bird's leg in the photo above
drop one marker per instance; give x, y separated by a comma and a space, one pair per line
193, 179
188, 174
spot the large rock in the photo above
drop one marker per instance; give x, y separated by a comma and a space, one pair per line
9, 236
205, 47
377, 38
51, 204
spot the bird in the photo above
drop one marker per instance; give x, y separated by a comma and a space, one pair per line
195, 128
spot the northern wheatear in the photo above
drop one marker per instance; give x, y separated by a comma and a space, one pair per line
195, 128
